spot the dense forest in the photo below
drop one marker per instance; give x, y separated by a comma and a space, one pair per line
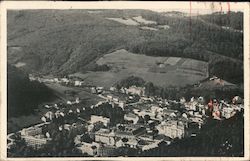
230, 19
24, 95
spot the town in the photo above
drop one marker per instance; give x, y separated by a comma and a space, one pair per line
125, 117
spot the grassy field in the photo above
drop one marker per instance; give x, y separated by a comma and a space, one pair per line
162, 71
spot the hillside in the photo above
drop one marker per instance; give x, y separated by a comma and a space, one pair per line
162, 71
234, 20
23, 95
65, 42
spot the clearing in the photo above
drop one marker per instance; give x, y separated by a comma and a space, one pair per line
162, 71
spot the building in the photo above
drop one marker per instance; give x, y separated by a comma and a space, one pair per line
130, 131
172, 129
93, 90
89, 148
105, 151
156, 109
143, 113
78, 83
227, 112
169, 113
104, 120
136, 90
112, 89
31, 131
36, 141
131, 117
33, 137
65, 80
105, 136
132, 143
152, 145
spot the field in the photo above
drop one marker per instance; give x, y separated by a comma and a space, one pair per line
162, 71
124, 21
140, 19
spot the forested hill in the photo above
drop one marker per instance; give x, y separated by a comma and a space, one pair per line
59, 41
23, 95
233, 20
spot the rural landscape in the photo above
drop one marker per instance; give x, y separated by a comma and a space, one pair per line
134, 82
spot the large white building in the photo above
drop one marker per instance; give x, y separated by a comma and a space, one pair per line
105, 136
33, 137
172, 129
104, 120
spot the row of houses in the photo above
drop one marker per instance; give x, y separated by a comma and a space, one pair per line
65, 81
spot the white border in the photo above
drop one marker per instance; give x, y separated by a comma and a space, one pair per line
114, 5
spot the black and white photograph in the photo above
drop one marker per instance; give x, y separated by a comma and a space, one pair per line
112, 81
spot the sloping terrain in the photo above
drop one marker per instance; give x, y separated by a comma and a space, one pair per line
162, 71
63, 42
233, 20
23, 95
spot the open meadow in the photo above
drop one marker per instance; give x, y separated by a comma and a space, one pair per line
162, 71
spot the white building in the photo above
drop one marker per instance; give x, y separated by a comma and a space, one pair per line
131, 117
227, 112
33, 137
136, 90
104, 120
78, 83
172, 129
151, 146
89, 148
105, 136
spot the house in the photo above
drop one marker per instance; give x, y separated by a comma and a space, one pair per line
151, 146
99, 89
33, 137
131, 117
136, 90
143, 113
227, 112
49, 115
93, 90
65, 80
172, 128
132, 143
182, 100
110, 97
156, 109
169, 113
130, 131
105, 136
105, 151
112, 89
161, 137
78, 83
104, 120
89, 148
